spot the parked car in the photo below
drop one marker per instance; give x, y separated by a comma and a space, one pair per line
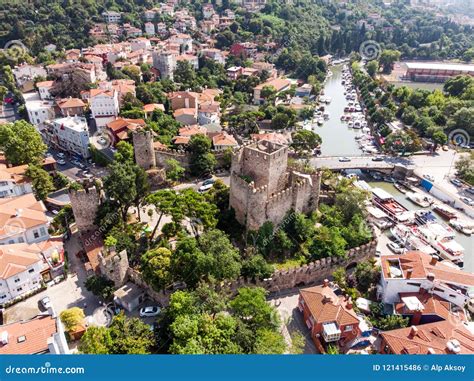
470, 190
377, 158
45, 302
456, 182
395, 247
378, 253
60, 155
429, 177
206, 185
344, 159
468, 201
150, 311
61, 162
102, 141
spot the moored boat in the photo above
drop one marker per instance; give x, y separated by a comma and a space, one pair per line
444, 212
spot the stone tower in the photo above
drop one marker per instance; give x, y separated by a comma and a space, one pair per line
114, 265
144, 151
262, 188
85, 203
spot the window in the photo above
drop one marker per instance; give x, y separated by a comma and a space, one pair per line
42, 231
17, 280
35, 234
31, 271
21, 240
348, 328
19, 289
3, 297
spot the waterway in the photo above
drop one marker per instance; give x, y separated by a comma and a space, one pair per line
464, 240
338, 139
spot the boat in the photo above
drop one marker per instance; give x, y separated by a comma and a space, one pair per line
462, 226
399, 188
405, 235
326, 115
320, 121
444, 212
395, 211
420, 199
439, 235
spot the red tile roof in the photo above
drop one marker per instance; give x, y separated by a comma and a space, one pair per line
16, 258
325, 306
427, 337
36, 333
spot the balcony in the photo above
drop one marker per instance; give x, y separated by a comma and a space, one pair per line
331, 332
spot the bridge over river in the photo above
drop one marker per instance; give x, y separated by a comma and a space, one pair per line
358, 162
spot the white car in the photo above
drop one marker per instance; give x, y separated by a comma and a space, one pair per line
468, 201
206, 185
45, 302
102, 141
150, 311
344, 159
429, 177
395, 247
60, 155
61, 162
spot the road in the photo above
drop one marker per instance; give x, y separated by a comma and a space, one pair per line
7, 113
356, 162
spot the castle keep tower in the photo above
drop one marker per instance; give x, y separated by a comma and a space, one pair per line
85, 203
114, 266
262, 189
143, 147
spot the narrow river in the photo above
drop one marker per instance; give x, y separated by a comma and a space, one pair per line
464, 240
338, 139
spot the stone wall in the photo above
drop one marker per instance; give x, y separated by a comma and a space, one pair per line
161, 297
307, 275
183, 158
114, 266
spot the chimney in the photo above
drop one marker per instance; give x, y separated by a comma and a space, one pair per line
409, 273
416, 318
434, 260
413, 332
326, 299
18, 212
430, 276
325, 282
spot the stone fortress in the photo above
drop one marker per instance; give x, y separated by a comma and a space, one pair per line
263, 188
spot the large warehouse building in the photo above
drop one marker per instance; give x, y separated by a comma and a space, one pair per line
435, 72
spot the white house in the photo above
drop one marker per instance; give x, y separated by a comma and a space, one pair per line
39, 111
13, 181
22, 220
71, 134
209, 112
44, 89
150, 29
414, 270
111, 17
104, 105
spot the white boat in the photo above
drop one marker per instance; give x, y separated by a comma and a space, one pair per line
320, 121
328, 100
350, 124
326, 115
465, 227
420, 199
405, 235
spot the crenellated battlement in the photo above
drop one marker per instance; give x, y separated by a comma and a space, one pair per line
278, 197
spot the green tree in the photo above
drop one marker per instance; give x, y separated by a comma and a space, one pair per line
40, 180
388, 58
130, 336
21, 143
367, 275
72, 318
174, 171
269, 342
372, 68
100, 286
96, 341
155, 266
202, 159
305, 141
391, 322
256, 267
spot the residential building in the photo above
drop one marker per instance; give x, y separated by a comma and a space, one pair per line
208, 11
435, 71
279, 84
443, 337
43, 334
183, 99
304, 90
44, 89
25, 75
71, 106
190, 58
23, 267
186, 116
185, 42
22, 220
70, 134
223, 141
330, 318
121, 128
149, 29
104, 105
148, 109
415, 270
216, 55
265, 67
13, 181
209, 112
39, 111
244, 49
111, 17
234, 72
